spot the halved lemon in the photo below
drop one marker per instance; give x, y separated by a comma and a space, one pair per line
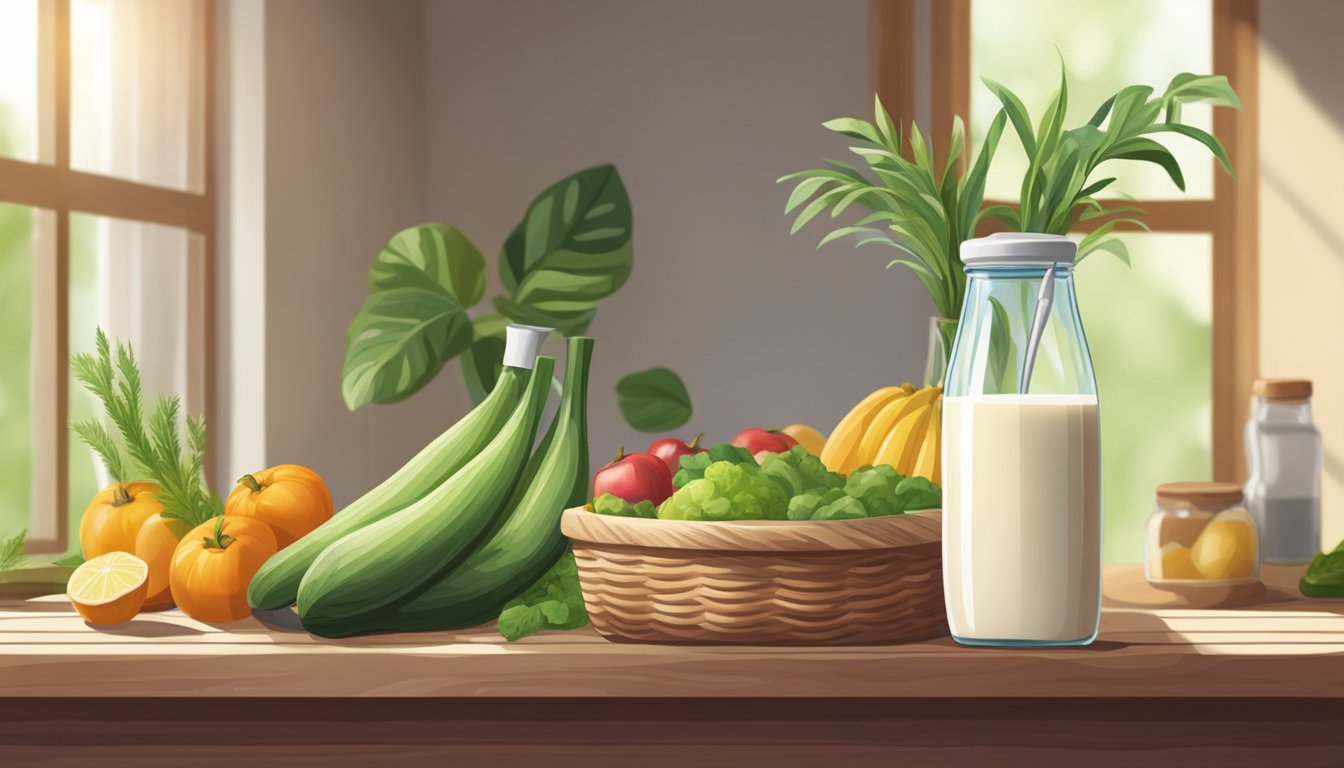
110, 588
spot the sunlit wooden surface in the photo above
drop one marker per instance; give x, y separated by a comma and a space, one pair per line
1282, 645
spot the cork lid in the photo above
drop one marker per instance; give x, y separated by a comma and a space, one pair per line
1282, 389
1201, 494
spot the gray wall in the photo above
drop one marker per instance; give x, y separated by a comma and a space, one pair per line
344, 170
381, 115
701, 105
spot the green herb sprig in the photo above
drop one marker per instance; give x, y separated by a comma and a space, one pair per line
154, 445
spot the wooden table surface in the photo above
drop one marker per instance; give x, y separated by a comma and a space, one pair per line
1279, 645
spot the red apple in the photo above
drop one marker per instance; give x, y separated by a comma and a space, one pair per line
671, 449
759, 440
634, 477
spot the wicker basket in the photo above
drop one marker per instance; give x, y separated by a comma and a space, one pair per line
760, 582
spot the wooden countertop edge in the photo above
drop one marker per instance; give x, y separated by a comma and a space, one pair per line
1154, 674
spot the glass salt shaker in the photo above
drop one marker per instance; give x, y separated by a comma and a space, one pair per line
1283, 461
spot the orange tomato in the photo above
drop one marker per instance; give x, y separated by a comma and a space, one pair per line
112, 520
155, 544
214, 563
293, 500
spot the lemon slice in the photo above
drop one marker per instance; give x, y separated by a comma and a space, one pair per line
110, 588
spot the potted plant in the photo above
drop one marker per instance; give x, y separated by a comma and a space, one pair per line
925, 212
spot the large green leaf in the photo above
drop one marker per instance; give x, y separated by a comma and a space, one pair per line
398, 342
570, 318
431, 257
485, 357
655, 400
573, 245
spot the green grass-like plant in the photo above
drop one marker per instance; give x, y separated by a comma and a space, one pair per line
927, 212
1060, 187
915, 207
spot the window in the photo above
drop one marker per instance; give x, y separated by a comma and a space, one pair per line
1174, 336
106, 218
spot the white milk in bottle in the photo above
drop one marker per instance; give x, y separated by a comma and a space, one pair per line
1022, 517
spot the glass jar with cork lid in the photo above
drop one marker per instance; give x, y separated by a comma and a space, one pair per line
1283, 461
1201, 534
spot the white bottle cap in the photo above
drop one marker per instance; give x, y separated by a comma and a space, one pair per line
522, 344
1018, 249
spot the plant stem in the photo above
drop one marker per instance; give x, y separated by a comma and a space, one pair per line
219, 539
251, 483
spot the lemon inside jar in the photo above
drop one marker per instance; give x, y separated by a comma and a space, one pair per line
1201, 534
1226, 549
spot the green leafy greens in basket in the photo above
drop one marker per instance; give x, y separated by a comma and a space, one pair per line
728, 484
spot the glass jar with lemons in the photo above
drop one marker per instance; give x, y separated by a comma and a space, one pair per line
1201, 534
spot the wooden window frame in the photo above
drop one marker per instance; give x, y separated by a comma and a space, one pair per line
54, 188
1231, 216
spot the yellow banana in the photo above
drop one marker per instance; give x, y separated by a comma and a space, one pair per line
901, 448
844, 439
887, 418
877, 428
927, 464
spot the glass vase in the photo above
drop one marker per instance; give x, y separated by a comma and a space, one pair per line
942, 332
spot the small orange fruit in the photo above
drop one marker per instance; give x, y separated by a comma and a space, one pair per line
155, 544
110, 588
808, 437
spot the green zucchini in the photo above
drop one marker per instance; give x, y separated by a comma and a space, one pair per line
387, 562
529, 540
277, 583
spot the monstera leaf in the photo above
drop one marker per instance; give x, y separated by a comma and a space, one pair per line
572, 247
414, 319
398, 342
433, 257
571, 250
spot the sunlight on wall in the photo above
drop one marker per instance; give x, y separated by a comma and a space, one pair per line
1149, 329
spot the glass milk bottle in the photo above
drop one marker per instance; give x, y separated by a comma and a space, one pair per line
1021, 452
1283, 462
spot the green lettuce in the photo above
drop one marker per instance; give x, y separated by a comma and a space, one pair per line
607, 504
800, 472
728, 491
1325, 576
693, 467
553, 602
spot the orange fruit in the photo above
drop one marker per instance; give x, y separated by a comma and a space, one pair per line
808, 437
110, 588
155, 544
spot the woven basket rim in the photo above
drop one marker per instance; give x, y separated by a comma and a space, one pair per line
892, 532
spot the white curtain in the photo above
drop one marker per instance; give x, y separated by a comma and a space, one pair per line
144, 134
